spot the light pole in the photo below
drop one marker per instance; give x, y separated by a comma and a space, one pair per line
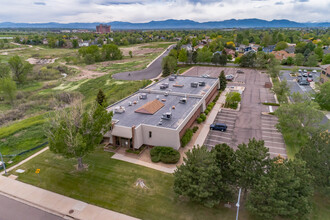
237, 204
3, 164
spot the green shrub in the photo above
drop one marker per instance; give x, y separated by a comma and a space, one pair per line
199, 120
195, 129
203, 117
164, 154
209, 108
270, 103
187, 137
206, 112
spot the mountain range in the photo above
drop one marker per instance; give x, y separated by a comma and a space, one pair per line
173, 24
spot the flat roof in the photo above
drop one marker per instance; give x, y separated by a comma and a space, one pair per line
186, 82
169, 97
131, 118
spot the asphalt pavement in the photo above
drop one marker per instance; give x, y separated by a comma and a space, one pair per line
152, 71
11, 209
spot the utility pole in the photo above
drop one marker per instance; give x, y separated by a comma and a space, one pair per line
3, 164
237, 204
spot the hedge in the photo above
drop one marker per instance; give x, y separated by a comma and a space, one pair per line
164, 154
186, 137
203, 117
271, 103
206, 112
199, 120
195, 129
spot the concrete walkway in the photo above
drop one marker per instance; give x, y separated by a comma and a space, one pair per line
55, 203
143, 163
210, 119
24, 161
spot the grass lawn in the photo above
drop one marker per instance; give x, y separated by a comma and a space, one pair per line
110, 183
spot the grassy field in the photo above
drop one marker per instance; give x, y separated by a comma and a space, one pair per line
110, 184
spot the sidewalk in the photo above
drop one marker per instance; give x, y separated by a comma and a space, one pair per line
210, 119
56, 203
143, 163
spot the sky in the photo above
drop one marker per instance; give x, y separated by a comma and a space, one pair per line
68, 11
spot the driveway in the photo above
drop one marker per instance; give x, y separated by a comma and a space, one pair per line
250, 121
152, 71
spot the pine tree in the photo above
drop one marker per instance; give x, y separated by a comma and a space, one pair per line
100, 98
166, 70
223, 81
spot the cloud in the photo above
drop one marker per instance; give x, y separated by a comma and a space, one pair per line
39, 3
65, 11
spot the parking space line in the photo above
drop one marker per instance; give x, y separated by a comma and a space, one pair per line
274, 142
272, 137
273, 133
231, 121
221, 116
271, 129
217, 141
212, 135
267, 123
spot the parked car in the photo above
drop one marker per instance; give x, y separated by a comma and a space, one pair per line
305, 74
218, 126
310, 74
240, 71
305, 71
314, 71
229, 77
205, 75
303, 82
310, 79
299, 71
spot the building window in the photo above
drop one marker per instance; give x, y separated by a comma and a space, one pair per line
150, 134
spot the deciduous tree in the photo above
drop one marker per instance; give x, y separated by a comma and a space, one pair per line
322, 97
19, 68
75, 132
8, 87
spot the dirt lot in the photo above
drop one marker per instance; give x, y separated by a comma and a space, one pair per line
250, 121
140, 50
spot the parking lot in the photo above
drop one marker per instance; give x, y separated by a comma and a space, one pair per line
250, 121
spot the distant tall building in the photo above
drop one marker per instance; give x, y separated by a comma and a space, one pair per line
103, 28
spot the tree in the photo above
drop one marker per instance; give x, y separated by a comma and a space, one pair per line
299, 59
232, 99
298, 120
319, 52
281, 45
225, 159
223, 59
216, 58
289, 61
204, 55
282, 89
19, 68
75, 43
8, 87
284, 191
326, 59
100, 98
322, 97
169, 62
183, 56
261, 60
111, 52
166, 70
194, 57
223, 81
251, 163
198, 178
4, 70
130, 54
312, 59
273, 67
248, 59
316, 153
75, 132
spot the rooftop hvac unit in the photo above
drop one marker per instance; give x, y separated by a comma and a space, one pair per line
183, 100
130, 103
119, 110
164, 86
166, 94
167, 116
157, 97
160, 122
194, 84
201, 83
143, 96
171, 78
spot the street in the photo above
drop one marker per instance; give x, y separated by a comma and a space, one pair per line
11, 209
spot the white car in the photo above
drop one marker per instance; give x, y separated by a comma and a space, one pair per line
314, 71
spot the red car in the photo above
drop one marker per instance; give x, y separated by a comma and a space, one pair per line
310, 79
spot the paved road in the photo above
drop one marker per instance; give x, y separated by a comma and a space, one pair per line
149, 73
11, 209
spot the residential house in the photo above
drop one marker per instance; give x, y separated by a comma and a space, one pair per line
282, 54
325, 73
45, 41
291, 49
230, 52
269, 49
84, 44
187, 47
